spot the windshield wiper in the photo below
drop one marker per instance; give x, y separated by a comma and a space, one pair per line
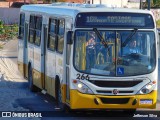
129, 37
101, 38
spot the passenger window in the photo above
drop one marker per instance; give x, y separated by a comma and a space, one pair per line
38, 37
21, 25
51, 43
31, 29
52, 34
52, 28
61, 31
32, 22
39, 23
35, 30
31, 36
38, 30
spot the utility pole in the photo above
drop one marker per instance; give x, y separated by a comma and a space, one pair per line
121, 3
140, 6
149, 4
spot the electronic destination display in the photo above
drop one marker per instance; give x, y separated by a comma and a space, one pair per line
114, 19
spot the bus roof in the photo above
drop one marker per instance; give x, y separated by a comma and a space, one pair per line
72, 10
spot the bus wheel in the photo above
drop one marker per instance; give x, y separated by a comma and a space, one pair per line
30, 80
60, 104
59, 98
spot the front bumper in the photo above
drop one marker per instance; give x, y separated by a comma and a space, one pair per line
86, 101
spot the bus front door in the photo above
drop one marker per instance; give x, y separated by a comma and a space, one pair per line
25, 54
43, 64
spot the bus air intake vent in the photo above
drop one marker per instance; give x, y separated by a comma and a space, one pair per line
114, 100
115, 83
104, 91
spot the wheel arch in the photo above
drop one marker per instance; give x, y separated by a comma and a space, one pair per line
57, 85
29, 64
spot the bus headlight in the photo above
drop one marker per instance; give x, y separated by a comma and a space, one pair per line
82, 87
147, 88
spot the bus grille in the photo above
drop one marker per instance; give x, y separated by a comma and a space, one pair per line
115, 83
114, 100
105, 91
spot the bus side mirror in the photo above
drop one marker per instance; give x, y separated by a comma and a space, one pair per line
69, 37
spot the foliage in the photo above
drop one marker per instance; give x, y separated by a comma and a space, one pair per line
158, 23
33, 1
51, 1
8, 31
47, 1
12, 0
154, 3
1, 27
61, 0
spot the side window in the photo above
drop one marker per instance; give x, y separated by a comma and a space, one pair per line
35, 29
21, 25
38, 30
31, 29
52, 34
61, 30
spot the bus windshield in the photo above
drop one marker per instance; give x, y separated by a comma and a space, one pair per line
137, 57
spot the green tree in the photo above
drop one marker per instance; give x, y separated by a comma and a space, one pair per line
34, 1
61, 0
11, 1
49, 1
1, 27
154, 3
46, 1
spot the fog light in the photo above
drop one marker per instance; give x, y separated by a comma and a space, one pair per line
145, 91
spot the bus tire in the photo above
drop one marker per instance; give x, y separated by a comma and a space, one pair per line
32, 88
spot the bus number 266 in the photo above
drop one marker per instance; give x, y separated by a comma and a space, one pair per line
82, 77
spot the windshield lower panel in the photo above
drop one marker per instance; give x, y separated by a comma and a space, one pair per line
137, 57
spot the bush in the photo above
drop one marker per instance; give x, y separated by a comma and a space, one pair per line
158, 23
8, 31
1, 27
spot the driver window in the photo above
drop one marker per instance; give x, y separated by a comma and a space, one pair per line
132, 46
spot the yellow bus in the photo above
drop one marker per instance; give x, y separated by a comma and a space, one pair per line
90, 56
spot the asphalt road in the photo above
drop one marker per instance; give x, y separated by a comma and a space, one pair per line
15, 96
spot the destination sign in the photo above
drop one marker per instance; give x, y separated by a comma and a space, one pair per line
127, 20
116, 20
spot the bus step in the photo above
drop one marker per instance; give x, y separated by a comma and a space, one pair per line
44, 92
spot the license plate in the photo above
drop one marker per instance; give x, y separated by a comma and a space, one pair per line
146, 101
